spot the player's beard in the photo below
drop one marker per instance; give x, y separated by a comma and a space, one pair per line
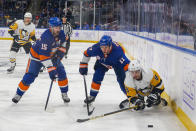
56, 33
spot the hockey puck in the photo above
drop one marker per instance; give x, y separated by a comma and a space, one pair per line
150, 126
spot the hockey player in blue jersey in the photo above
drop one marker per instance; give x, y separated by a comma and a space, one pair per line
47, 52
109, 55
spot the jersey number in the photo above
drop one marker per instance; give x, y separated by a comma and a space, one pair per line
44, 46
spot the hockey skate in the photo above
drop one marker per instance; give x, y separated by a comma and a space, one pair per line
42, 69
16, 98
11, 69
91, 99
65, 56
65, 98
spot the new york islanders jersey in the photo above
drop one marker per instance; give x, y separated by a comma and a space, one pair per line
25, 32
150, 80
116, 57
44, 48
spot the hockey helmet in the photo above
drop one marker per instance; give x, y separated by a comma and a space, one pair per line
28, 15
134, 66
105, 40
54, 21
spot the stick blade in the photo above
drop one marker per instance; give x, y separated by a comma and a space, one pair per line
50, 110
82, 120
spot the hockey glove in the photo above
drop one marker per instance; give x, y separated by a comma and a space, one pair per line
138, 102
83, 68
52, 72
153, 99
125, 103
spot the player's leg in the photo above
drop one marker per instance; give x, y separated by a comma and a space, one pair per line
63, 82
67, 47
98, 77
14, 49
32, 72
120, 75
27, 47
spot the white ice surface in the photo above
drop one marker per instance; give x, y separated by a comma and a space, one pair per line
29, 114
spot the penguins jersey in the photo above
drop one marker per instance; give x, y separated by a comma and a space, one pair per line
24, 32
116, 57
44, 48
150, 80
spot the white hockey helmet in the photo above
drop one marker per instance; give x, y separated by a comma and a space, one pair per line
134, 65
28, 15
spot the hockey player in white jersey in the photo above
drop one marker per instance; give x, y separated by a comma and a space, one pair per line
23, 32
141, 83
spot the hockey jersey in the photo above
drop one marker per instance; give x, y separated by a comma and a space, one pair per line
150, 80
116, 58
44, 48
25, 32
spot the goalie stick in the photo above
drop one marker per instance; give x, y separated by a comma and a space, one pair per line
106, 114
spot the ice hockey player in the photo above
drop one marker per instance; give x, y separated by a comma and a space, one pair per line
67, 28
140, 83
23, 32
47, 51
109, 55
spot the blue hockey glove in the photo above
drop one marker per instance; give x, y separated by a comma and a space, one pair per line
52, 72
83, 68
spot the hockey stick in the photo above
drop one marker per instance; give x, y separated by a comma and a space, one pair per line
106, 114
89, 112
48, 94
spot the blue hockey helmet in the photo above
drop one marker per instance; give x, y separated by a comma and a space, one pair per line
54, 21
105, 40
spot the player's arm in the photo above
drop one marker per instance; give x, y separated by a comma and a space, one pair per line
90, 52
61, 50
154, 98
12, 29
32, 35
46, 59
44, 54
157, 83
123, 61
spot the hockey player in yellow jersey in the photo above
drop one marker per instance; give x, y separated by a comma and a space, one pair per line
23, 32
141, 83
